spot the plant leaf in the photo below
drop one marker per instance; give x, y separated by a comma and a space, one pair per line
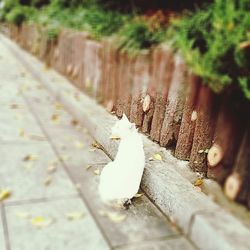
74, 215
198, 182
4, 194
158, 157
40, 221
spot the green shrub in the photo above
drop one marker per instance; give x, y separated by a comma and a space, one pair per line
53, 30
103, 23
17, 15
137, 35
210, 40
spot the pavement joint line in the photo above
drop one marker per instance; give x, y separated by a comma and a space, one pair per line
5, 227
40, 200
22, 143
84, 200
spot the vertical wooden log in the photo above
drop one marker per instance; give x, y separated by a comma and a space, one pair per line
92, 67
204, 129
106, 68
227, 136
114, 84
125, 84
165, 75
68, 55
186, 134
79, 54
140, 84
175, 104
122, 77
60, 47
237, 185
149, 100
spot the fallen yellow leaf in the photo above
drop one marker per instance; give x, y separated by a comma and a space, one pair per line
97, 172
21, 132
138, 195
47, 180
40, 221
158, 157
113, 137
22, 215
51, 168
74, 215
58, 106
79, 144
30, 157
96, 145
198, 182
88, 167
4, 194
74, 122
55, 118
113, 216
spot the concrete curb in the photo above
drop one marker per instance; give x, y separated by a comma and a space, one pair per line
165, 182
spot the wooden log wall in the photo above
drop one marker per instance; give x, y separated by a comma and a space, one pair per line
165, 100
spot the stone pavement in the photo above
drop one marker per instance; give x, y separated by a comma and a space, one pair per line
51, 168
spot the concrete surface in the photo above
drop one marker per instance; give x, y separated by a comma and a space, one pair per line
49, 165
168, 182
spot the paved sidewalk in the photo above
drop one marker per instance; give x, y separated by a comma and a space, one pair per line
52, 170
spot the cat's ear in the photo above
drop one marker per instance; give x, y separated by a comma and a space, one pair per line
132, 126
124, 117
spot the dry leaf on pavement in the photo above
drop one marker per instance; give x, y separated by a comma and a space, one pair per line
22, 215
79, 144
40, 221
97, 172
30, 157
138, 195
47, 180
158, 157
4, 194
74, 215
113, 216
198, 182
55, 118
21, 132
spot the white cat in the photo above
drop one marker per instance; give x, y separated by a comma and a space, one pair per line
120, 180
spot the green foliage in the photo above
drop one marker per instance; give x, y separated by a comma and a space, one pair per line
53, 30
210, 40
103, 23
137, 35
214, 40
17, 15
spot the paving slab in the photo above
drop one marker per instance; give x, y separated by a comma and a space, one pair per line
61, 234
26, 177
17, 125
177, 243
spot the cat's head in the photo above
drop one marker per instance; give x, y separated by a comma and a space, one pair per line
123, 127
